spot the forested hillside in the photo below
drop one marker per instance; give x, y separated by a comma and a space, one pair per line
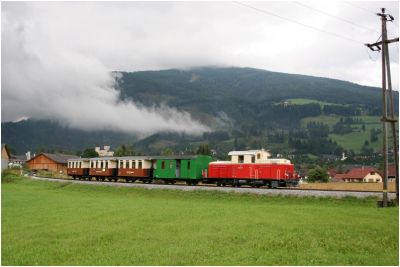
246, 108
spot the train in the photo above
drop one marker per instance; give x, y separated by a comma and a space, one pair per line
253, 168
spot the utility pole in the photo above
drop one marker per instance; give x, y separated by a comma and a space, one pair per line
386, 75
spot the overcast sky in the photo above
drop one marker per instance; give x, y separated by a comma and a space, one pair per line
57, 57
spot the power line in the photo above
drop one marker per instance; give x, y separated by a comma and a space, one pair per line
335, 17
296, 22
360, 7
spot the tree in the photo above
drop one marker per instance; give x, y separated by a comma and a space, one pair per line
123, 150
203, 149
167, 152
318, 174
89, 153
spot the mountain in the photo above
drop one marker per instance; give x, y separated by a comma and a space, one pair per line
246, 107
40, 135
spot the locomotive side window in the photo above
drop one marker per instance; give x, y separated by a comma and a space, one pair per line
241, 159
258, 155
253, 159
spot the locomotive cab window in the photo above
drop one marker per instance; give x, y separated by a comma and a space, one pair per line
241, 159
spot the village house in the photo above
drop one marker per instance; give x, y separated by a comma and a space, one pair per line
50, 162
362, 174
5, 157
392, 173
106, 152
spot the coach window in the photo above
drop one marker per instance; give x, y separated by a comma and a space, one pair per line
162, 164
121, 164
101, 166
106, 165
253, 159
258, 155
133, 164
140, 164
241, 159
188, 165
171, 164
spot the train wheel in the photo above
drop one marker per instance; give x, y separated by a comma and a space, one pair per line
223, 184
188, 182
218, 184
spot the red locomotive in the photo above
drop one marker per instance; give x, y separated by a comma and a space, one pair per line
252, 167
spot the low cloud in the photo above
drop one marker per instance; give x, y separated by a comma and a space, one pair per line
65, 84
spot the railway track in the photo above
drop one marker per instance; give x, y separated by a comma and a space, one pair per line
264, 191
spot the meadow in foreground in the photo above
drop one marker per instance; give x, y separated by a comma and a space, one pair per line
50, 223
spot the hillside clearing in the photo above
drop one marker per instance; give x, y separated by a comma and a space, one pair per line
47, 223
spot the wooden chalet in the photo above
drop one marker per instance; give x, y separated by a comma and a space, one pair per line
5, 157
50, 162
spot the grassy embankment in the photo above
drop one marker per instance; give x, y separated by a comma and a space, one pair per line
48, 223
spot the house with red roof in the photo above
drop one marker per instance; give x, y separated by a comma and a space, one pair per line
391, 173
362, 174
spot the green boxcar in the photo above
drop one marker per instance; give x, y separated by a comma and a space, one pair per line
181, 168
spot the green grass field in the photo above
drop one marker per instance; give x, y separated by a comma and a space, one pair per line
49, 223
304, 101
354, 140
